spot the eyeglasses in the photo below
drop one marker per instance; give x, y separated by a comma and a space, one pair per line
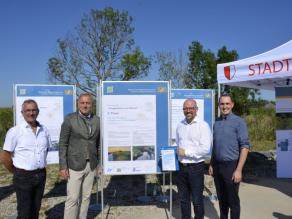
189, 108
31, 111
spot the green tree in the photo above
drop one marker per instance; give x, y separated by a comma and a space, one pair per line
100, 48
172, 67
202, 74
201, 69
134, 65
243, 97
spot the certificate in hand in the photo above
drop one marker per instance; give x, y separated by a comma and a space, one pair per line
169, 159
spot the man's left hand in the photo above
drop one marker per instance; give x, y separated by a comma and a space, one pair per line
237, 176
98, 171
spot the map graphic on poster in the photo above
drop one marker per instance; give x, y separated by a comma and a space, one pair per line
54, 102
132, 134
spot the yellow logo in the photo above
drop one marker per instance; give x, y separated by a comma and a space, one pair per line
161, 90
68, 92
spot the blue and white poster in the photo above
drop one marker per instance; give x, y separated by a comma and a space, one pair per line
54, 102
135, 125
205, 102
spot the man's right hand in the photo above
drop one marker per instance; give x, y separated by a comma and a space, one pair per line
64, 174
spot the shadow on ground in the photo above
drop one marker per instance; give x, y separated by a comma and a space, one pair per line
281, 216
127, 190
58, 190
5, 191
260, 169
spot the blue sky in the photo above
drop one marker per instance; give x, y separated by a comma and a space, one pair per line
30, 28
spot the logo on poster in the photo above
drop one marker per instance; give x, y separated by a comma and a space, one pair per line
22, 91
208, 95
229, 71
161, 89
68, 92
110, 89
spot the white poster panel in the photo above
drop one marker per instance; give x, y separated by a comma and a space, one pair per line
177, 114
51, 113
130, 134
54, 102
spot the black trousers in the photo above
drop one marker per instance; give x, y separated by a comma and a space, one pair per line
227, 190
29, 187
190, 184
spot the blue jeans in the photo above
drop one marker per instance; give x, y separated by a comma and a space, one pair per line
190, 184
29, 187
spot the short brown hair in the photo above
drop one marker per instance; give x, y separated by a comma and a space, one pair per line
226, 95
28, 101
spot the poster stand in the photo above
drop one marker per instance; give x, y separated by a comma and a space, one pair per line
145, 198
124, 107
97, 206
162, 198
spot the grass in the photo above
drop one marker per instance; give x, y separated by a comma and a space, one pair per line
5, 176
263, 145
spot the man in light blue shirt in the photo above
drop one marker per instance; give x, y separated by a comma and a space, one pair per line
24, 153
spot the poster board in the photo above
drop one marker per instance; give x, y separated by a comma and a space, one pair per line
135, 125
205, 103
54, 102
284, 131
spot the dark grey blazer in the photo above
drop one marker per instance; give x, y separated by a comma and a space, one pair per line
74, 139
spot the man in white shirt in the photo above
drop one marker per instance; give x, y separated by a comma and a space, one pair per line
193, 137
24, 154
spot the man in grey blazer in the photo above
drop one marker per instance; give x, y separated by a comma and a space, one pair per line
78, 154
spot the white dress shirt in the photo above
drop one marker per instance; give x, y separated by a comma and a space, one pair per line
195, 138
29, 149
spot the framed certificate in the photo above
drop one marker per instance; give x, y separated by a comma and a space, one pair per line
169, 159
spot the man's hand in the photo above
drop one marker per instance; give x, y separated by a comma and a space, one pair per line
98, 171
180, 152
6, 159
237, 176
210, 170
64, 174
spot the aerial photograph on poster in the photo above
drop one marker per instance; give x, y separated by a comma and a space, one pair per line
119, 153
143, 152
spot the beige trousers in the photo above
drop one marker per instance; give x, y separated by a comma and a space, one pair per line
79, 187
